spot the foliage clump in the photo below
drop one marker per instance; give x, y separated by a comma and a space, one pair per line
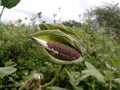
107, 15
98, 71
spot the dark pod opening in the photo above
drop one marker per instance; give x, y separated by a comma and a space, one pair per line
63, 51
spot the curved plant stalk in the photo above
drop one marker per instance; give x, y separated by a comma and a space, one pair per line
8, 4
36, 78
110, 85
55, 78
2, 12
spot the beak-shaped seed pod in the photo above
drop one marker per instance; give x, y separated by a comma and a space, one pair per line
61, 46
60, 53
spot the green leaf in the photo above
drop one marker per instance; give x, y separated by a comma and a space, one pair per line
10, 3
90, 66
108, 74
4, 71
78, 88
84, 77
92, 71
55, 88
74, 77
117, 80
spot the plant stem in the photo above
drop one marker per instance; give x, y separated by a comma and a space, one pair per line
27, 84
2, 12
110, 85
38, 85
54, 79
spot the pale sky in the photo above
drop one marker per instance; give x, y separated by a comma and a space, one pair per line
69, 9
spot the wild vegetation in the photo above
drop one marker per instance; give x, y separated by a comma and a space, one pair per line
21, 57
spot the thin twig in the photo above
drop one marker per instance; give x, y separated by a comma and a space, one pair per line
54, 79
110, 85
2, 12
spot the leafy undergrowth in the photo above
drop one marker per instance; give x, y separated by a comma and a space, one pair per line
98, 71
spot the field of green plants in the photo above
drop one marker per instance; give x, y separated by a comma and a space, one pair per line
21, 58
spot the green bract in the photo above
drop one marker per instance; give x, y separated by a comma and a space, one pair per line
60, 34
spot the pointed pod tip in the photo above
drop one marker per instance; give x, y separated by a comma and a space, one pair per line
42, 42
